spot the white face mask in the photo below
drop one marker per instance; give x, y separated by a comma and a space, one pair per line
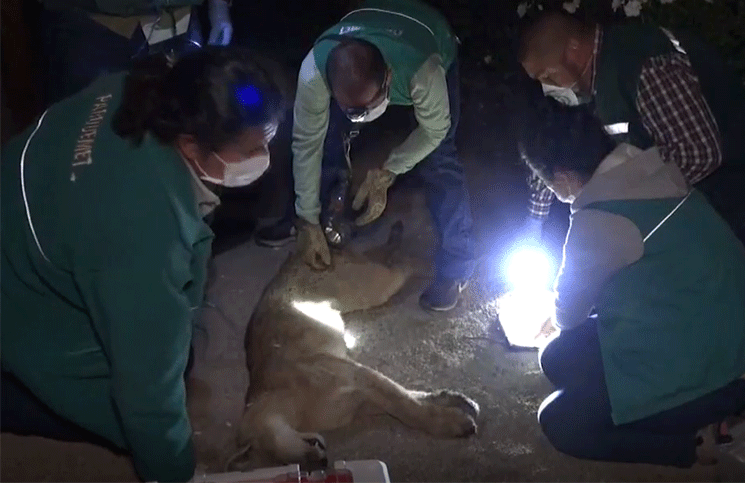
565, 95
373, 113
239, 174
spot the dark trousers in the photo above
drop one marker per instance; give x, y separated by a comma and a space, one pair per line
444, 180
576, 418
76, 50
724, 190
22, 413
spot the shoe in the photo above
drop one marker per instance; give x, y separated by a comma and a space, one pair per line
277, 235
442, 295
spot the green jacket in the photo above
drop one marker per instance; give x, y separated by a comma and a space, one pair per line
671, 309
407, 34
120, 8
418, 46
623, 52
104, 260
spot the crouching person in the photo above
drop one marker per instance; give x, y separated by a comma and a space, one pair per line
650, 300
105, 250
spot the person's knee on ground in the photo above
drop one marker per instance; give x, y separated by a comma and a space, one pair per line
558, 428
571, 355
548, 358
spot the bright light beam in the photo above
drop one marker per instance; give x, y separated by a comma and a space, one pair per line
522, 313
528, 268
323, 313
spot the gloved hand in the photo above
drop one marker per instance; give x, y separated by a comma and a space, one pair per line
375, 190
221, 29
313, 245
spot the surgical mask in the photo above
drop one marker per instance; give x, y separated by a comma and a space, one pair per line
239, 174
369, 115
564, 95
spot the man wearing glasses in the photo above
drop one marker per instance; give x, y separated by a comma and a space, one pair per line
388, 52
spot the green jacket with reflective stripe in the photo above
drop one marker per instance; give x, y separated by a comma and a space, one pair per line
623, 52
671, 324
407, 32
104, 259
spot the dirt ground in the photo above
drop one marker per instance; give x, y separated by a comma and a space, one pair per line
461, 350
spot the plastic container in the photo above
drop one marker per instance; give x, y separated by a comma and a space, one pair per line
362, 471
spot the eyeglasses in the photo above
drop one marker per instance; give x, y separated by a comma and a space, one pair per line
357, 114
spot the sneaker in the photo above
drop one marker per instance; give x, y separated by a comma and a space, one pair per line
442, 295
277, 235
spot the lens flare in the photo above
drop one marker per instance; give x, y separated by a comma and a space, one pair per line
523, 315
529, 268
350, 340
323, 313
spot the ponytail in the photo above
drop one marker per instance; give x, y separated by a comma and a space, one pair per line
141, 99
203, 94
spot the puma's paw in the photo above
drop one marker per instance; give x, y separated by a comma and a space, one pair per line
454, 423
455, 400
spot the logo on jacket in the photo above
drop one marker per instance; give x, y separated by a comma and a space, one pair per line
349, 28
84, 145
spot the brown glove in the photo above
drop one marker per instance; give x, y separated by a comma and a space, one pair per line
313, 245
375, 190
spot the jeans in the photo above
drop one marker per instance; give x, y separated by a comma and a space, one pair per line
76, 50
444, 179
576, 418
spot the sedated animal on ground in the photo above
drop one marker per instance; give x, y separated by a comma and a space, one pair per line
302, 381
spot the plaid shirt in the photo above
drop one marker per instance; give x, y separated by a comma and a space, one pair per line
674, 112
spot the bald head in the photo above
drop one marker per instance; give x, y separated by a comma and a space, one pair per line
356, 70
557, 49
549, 34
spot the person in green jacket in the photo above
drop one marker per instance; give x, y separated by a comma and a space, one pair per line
650, 86
84, 39
105, 249
386, 52
650, 300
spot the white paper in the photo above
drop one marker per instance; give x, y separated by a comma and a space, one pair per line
155, 33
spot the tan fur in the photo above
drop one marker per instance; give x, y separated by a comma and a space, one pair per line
303, 382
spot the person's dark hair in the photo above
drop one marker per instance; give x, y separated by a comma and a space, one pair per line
213, 94
553, 137
353, 64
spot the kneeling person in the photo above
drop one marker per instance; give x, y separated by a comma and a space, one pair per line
662, 354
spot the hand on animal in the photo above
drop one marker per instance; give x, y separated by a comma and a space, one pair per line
221, 28
313, 245
374, 190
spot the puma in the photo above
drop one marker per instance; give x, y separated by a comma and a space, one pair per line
302, 381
